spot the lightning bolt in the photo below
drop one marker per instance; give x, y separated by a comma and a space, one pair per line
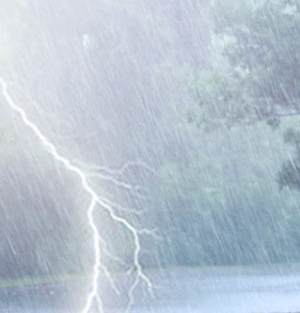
95, 199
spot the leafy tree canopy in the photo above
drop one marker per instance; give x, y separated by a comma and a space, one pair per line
256, 58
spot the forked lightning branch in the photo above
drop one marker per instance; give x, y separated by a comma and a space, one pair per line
95, 200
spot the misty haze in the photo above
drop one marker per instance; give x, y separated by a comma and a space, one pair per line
150, 156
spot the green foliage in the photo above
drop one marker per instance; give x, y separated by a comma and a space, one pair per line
256, 64
219, 204
220, 96
267, 43
289, 176
255, 77
213, 199
292, 136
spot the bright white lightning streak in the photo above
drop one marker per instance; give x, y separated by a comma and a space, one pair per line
95, 199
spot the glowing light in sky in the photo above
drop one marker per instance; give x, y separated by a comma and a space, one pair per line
95, 199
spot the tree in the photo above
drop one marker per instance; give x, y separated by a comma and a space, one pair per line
257, 69
289, 176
